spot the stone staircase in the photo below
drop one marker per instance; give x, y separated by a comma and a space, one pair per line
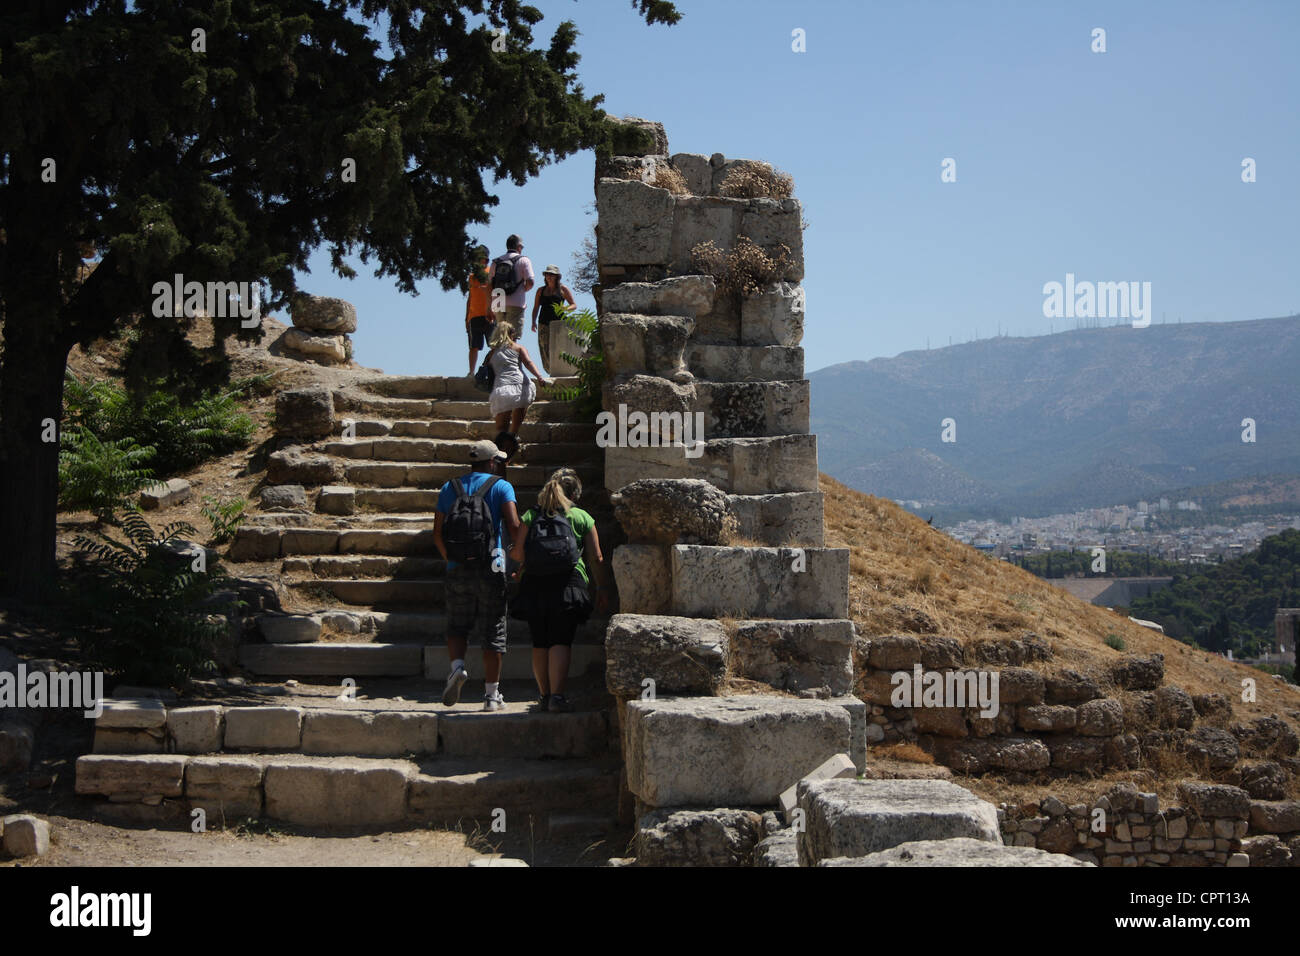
344, 726
358, 572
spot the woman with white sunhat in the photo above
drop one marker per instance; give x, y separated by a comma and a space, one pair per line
550, 295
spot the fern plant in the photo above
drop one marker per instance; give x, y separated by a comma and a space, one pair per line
141, 612
101, 476
584, 328
225, 514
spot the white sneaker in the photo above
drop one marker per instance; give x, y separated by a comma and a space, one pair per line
455, 681
495, 702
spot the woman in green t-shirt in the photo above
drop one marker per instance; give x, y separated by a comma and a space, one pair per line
555, 603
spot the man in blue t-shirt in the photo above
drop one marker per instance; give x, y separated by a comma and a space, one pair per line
476, 592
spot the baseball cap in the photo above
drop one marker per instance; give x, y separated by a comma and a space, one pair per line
483, 451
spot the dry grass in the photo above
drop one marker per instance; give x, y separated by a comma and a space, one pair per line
743, 270
756, 180
909, 578
665, 177
907, 753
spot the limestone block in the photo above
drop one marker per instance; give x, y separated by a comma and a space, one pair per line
289, 628
795, 655
978, 754
318, 313
753, 409
838, 767
1215, 799
779, 849
701, 219
1275, 816
140, 774
225, 787
369, 733
773, 223
681, 655
291, 466
697, 172
25, 835
263, 728
634, 136
852, 818
744, 363
961, 851
330, 349
668, 511
255, 544
1139, 673
645, 343
742, 466
697, 837
727, 751
1020, 685
194, 730
774, 316
337, 791
643, 574
128, 741
1218, 748
691, 296
1175, 708
132, 713
794, 518
1049, 718
173, 491
786, 583
636, 223
283, 498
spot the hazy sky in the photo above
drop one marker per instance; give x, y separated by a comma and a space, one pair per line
1116, 166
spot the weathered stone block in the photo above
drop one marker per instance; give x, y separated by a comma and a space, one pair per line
681, 655
132, 713
691, 296
318, 313
785, 583
1100, 718
337, 791
636, 223
284, 498
1275, 816
672, 511
141, 774
226, 788
263, 728
792, 519
1215, 800
173, 491
716, 751
697, 172
128, 741
795, 655
1050, 718
772, 224
289, 628
194, 730
744, 363
697, 837
852, 818
25, 835
644, 343
290, 466
329, 349
702, 219
960, 851
838, 767
773, 317
369, 733
643, 574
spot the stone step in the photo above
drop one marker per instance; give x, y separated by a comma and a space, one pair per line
401, 627
366, 566
794, 518
349, 791
361, 659
738, 466
358, 404
453, 429
375, 592
744, 363
426, 450
372, 479
341, 727
437, 386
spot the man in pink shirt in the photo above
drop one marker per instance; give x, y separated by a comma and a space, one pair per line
512, 280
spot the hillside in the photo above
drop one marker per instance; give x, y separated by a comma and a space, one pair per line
910, 578
1071, 420
1245, 591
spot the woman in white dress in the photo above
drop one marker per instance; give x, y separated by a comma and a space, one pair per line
512, 390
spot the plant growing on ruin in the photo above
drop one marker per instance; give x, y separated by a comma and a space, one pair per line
756, 180
101, 476
744, 270
666, 177
225, 514
139, 607
584, 327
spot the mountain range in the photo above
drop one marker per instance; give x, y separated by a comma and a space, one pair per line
1054, 423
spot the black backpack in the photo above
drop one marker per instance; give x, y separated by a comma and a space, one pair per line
469, 532
503, 273
551, 546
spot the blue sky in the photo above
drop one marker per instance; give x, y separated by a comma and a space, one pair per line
1115, 166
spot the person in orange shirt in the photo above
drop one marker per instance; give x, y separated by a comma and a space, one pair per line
478, 311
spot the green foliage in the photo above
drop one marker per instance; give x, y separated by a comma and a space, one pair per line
139, 608
1119, 564
584, 327
1115, 641
100, 476
182, 435
1230, 606
225, 514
